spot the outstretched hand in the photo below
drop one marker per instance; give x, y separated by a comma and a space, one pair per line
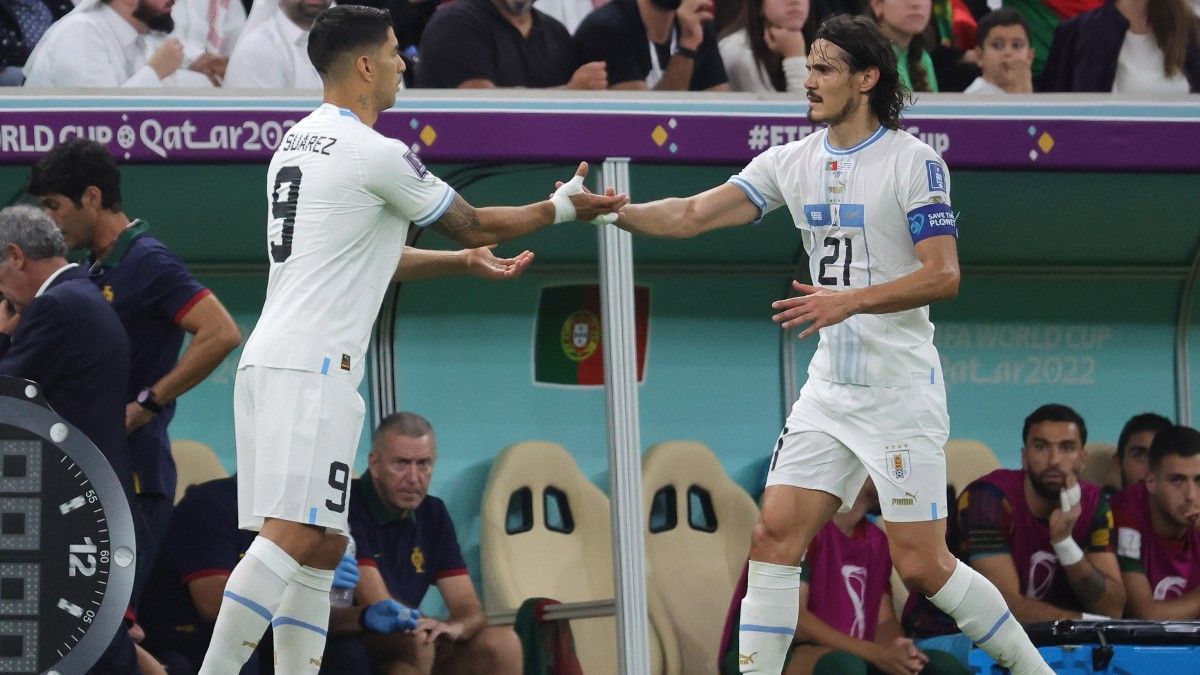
483, 263
819, 307
587, 205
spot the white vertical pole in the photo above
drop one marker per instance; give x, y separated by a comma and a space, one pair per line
624, 440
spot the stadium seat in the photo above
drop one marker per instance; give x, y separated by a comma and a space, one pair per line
195, 463
967, 460
546, 531
697, 540
1101, 467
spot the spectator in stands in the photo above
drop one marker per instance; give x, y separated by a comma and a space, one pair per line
569, 12
501, 43
116, 43
904, 23
211, 26
157, 300
1025, 529
766, 47
847, 623
22, 24
1158, 544
272, 52
1127, 47
1042, 17
409, 18
950, 40
1004, 55
1133, 445
406, 543
668, 45
57, 330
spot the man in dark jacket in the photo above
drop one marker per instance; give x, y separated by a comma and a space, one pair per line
57, 330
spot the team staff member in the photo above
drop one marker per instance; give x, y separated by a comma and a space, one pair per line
1158, 545
157, 300
56, 330
407, 543
202, 546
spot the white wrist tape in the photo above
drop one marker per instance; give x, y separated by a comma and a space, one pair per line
1070, 496
1088, 616
1068, 552
564, 210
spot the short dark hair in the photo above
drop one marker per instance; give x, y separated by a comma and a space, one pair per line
1005, 16
407, 424
1054, 412
69, 168
1139, 423
867, 47
345, 28
1182, 441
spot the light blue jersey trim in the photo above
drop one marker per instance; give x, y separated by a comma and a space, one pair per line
752, 192
289, 621
348, 113
779, 630
249, 604
312, 516
325, 366
439, 210
849, 151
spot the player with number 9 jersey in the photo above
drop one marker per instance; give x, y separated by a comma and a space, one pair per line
340, 200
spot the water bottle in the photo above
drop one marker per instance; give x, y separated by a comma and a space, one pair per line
343, 597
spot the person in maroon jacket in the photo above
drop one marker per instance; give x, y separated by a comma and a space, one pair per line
1027, 529
1158, 545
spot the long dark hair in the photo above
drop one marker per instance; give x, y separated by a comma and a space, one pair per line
867, 47
1174, 27
916, 49
751, 20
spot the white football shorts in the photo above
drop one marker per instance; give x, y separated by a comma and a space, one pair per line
297, 433
838, 434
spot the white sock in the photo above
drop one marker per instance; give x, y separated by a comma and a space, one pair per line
980, 611
301, 622
252, 594
768, 620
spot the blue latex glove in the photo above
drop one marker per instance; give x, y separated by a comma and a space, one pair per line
346, 574
389, 616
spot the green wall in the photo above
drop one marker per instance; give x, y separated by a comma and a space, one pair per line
1011, 340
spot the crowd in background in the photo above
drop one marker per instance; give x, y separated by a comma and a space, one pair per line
997, 46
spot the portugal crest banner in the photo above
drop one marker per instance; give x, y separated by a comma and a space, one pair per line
568, 340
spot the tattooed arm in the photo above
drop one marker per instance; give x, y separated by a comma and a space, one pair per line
474, 227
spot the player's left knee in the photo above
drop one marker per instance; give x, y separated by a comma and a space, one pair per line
501, 647
923, 569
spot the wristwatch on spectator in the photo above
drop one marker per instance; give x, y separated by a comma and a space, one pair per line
145, 398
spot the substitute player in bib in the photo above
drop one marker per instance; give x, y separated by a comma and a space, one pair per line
873, 207
341, 198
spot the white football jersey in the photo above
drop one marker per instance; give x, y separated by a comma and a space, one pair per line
860, 212
340, 198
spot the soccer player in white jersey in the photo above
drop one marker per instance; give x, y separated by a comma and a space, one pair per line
341, 198
873, 206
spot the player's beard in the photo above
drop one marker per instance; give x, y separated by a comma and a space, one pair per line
159, 21
1040, 487
841, 116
